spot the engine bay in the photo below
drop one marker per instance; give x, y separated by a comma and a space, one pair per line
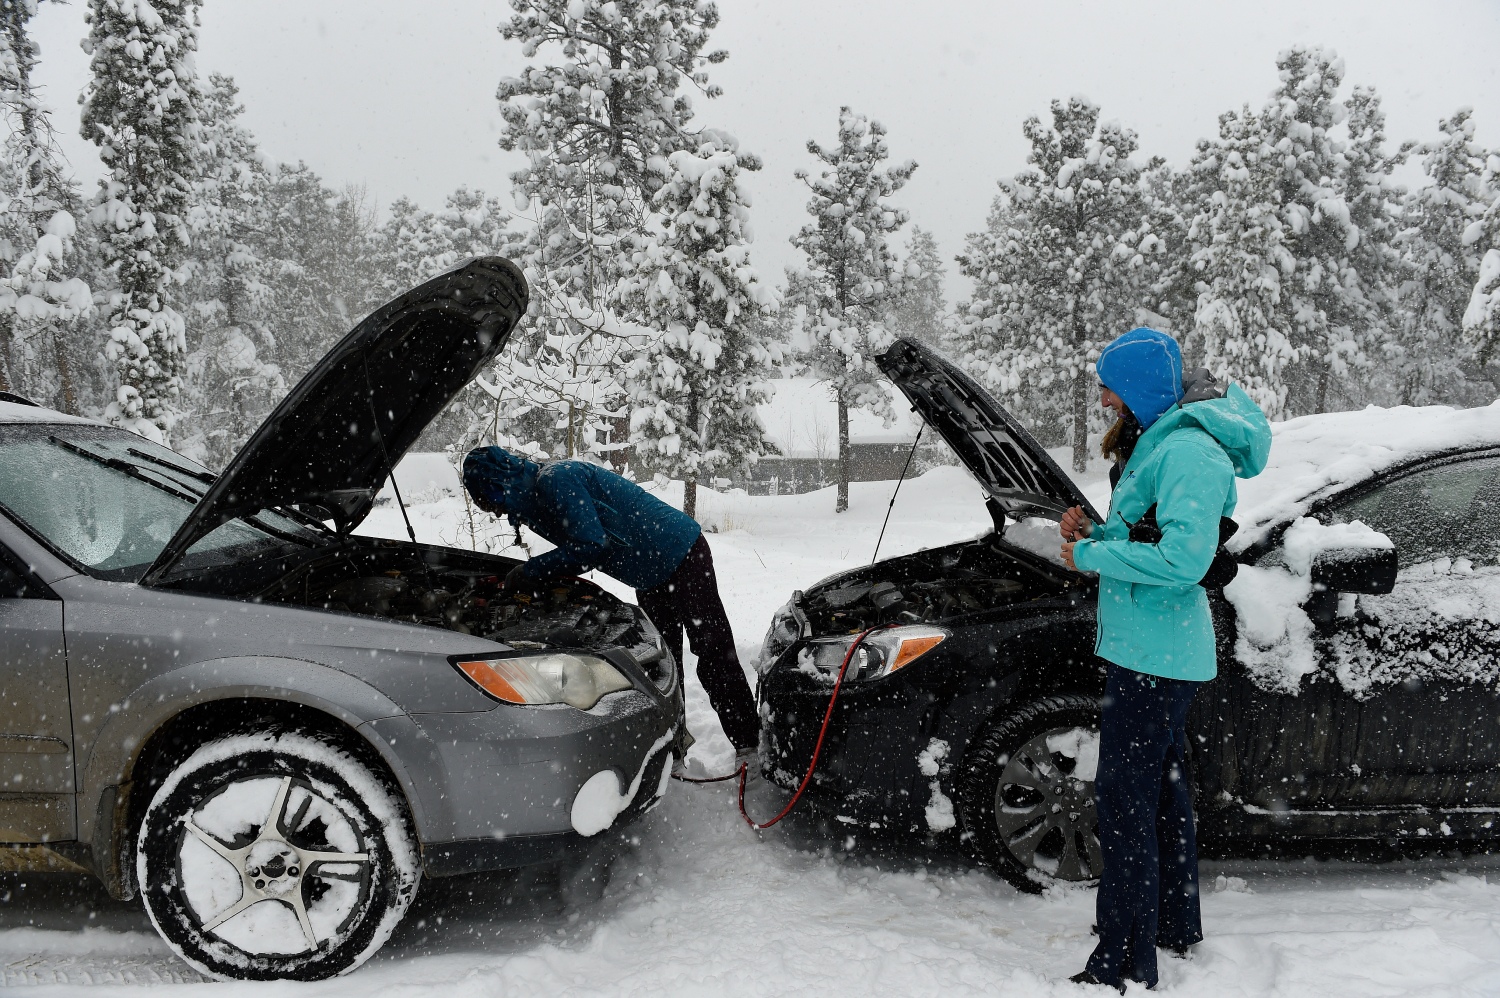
466, 595
928, 587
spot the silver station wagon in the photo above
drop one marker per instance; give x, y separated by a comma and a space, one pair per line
218, 698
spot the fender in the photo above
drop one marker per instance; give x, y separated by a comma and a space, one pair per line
113, 756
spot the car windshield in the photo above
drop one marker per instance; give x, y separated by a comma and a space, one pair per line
110, 501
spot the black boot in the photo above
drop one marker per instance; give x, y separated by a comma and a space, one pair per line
1084, 977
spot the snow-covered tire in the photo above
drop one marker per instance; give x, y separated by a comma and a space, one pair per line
1019, 804
255, 822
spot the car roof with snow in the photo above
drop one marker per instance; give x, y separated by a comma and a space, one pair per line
16, 412
1313, 457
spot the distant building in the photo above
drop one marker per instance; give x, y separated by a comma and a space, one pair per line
802, 419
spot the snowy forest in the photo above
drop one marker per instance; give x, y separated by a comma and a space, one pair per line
184, 295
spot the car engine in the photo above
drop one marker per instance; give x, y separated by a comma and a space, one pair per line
570, 614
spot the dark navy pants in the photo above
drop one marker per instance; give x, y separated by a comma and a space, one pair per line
689, 601
1148, 895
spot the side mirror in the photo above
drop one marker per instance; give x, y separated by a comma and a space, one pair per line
1355, 570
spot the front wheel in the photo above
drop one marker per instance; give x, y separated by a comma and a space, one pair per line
1026, 794
276, 856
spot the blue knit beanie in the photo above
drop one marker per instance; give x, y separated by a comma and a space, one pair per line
499, 481
1144, 368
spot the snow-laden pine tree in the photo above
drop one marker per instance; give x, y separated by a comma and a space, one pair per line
41, 293
470, 224
594, 122
1482, 316
1239, 258
141, 108
851, 274
232, 383
406, 238
918, 309
1375, 201
1064, 268
327, 264
1439, 268
694, 387
1323, 306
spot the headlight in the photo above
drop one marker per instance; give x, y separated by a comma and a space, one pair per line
880, 654
785, 629
576, 680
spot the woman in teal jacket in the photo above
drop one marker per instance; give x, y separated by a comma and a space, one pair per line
1178, 449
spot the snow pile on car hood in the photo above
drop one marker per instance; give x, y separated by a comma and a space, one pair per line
1313, 456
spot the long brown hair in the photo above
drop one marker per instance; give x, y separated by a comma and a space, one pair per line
1119, 440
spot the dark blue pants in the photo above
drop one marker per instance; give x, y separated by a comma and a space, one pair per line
1148, 895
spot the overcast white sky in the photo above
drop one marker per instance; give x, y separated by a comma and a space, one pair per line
399, 95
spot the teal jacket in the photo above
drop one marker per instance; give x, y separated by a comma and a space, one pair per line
1153, 615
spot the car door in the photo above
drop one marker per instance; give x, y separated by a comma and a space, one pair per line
1421, 663
1403, 709
36, 735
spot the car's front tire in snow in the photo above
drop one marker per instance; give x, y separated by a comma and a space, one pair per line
1026, 793
276, 856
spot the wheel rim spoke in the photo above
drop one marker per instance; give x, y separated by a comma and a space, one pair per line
1017, 772
246, 900
232, 855
294, 900
1023, 844
278, 810
1096, 852
1011, 819
323, 874
1070, 864
334, 857
296, 820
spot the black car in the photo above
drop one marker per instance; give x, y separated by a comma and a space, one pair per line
1373, 714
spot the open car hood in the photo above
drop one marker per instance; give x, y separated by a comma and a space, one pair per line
1020, 477
333, 441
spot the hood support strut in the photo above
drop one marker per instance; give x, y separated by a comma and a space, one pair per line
385, 454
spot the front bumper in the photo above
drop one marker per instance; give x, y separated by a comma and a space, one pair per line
868, 771
496, 789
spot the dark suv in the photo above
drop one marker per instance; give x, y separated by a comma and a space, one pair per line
1351, 702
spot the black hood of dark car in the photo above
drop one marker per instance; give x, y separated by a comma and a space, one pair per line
1016, 472
333, 441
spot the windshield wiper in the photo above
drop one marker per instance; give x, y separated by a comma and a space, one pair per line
125, 467
203, 476
208, 478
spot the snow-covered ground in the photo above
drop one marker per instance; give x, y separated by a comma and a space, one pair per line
704, 906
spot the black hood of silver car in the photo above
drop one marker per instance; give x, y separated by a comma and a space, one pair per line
1016, 472
333, 441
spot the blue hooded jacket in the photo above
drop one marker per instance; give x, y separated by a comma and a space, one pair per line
1153, 616
595, 518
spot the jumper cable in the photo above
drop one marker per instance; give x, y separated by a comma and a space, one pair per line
743, 771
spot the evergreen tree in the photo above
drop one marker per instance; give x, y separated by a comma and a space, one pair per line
695, 386
595, 127
1240, 257
41, 293
328, 265
1375, 208
231, 385
1482, 317
141, 108
1438, 267
918, 310
1323, 306
407, 241
1068, 270
852, 275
